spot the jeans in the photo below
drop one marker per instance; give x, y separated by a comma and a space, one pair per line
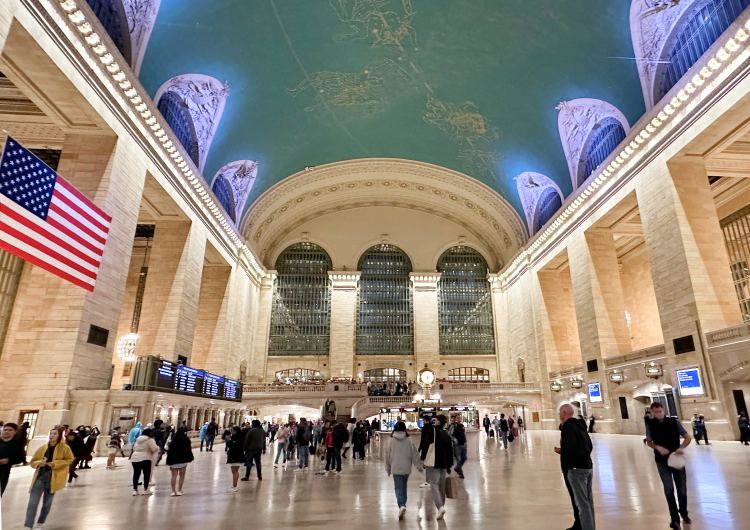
280, 449
40, 489
504, 436
210, 442
667, 476
138, 467
580, 483
399, 483
252, 457
459, 454
436, 479
304, 456
333, 458
576, 516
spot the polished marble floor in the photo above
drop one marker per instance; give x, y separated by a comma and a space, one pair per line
520, 488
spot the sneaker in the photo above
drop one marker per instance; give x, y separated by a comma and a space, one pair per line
424, 485
441, 513
173, 494
179, 494
275, 466
135, 493
234, 489
401, 513
148, 492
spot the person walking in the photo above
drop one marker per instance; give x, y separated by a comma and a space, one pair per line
77, 448
744, 425
520, 425
51, 462
436, 454
113, 447
486, 424
11, 453
281, 441
254, 443
400, 456
496, 427
504, 429
142, 458
303, 444
211, 431
663, 436
359, 440
350, 430
699, 429
179, 455
577, 467
458, 435
22, 437
235, 457
592, 422
202, 435
340, 436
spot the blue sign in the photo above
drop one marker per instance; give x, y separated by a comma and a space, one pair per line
595, 392
689, 381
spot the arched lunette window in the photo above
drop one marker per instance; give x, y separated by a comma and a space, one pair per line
464, 304
111, 14
695, 34
385, 313
549, 202
601, 142
223, 192
178, 117
301, 308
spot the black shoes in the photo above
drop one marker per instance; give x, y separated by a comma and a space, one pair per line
675, 525
685, 518
245, 479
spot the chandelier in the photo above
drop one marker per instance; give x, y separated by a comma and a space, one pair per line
126, 347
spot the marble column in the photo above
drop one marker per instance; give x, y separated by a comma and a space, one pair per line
258, 357
426, 324
343, 322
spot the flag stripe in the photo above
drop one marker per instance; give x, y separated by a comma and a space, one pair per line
103, 218
68, 219
22, 250
96, 251
50, 250
82, 216
48, 234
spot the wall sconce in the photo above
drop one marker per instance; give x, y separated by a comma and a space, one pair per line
653, 370
576, 382
616, 376
556, 386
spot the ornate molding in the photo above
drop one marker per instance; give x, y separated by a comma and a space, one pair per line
576, 121
240, 175
530, 187
651, 24
268, 280
141, 15
425, 281
344, 281
205, 97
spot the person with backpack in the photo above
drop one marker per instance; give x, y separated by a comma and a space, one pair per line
303, 444
504, 428
400, 456
179, 455
436, 454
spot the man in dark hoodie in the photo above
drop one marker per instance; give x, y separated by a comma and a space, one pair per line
255, 442
340, 437
304, 434
577, 467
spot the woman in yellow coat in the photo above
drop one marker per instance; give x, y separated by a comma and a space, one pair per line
51, 462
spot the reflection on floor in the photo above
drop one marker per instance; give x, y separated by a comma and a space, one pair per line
520, 488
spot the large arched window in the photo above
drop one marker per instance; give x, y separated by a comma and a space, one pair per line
111, 14
549, 202
606, 135
301, 309
695, 33
384, 316
178, 117
464, 304
224, 195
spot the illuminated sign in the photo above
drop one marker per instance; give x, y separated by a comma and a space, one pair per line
689, 381
595, 392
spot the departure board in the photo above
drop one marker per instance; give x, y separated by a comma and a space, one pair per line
174, 377
213, 385
232, 389
165, 375
189, 380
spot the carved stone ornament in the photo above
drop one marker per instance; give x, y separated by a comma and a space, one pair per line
205, 97
141, 16
240, 175
530, 186
575, 122
651, 24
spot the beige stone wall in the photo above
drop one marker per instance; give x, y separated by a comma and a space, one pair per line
640, 300
557, 318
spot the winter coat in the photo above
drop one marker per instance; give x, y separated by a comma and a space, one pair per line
401, 455
255, 440
62, 457
340, 435
180, 450
145, 448
443, 447
235, 452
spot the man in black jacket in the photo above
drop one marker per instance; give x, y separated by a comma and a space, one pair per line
575, 461
340, 437
255, 442
663, 436
440, 459
11, 453
304, 434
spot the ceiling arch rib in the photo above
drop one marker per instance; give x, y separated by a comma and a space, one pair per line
391, 182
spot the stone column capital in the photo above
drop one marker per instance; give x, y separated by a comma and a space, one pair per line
425, 281
268, 279
344, 280
496, 281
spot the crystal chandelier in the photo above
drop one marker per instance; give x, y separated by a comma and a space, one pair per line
126, 347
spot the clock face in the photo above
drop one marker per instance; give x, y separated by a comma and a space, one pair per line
427, 377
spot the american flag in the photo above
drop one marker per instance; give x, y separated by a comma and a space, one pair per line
45, 220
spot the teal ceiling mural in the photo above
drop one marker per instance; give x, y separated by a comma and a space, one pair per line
469, 85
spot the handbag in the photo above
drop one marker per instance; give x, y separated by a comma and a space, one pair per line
450, 487
429, 459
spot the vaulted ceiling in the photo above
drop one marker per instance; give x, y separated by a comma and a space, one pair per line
469, 85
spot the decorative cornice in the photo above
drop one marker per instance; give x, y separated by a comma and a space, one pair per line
425, 281
344, 281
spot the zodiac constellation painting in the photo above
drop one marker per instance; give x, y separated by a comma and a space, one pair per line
382, 22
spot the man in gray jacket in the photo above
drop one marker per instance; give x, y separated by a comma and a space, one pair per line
400, 456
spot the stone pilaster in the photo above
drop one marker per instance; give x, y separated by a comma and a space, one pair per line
170, 300
426, 323
257, 366
557, 318
211, 341
343, 322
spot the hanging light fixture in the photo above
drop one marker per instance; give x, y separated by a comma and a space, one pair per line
126, 347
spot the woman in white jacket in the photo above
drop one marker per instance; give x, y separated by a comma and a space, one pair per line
400, 456
145, 450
